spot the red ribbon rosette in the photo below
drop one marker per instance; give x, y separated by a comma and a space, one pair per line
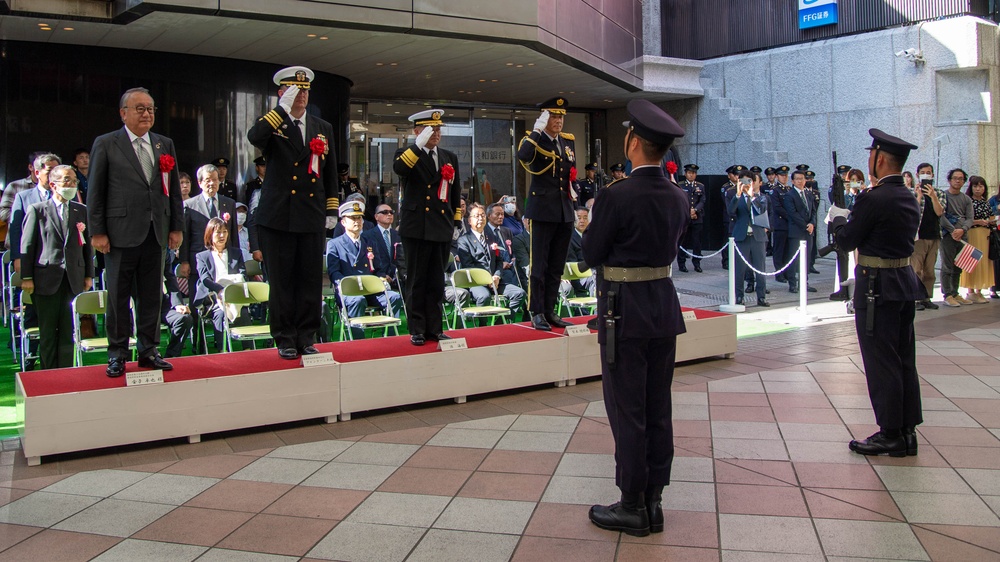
447, 175
167, 164
371, 258
225, 217
317, 147
671, 167
571, 190
572, 174
80, 227
495, 248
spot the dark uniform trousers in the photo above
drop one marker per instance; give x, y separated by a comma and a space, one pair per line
55, 321
179, 325
138, 269
890, 364
779, 241
637, 399
294, 311
692, 243
549, 244
426, 260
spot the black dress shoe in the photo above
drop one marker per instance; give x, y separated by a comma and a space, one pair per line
813, 270
699, 269
793, 289
930, 305
810, 289
417, 339
881, 444
538, 322
116, 368
725, 266
920, 306
841, 295
910, 438
308, 350
556, 321
781, 279
682, 268
628, 516
288, 353
592, 323
764, 303
154, 362
437, 337
750, 288
739, 301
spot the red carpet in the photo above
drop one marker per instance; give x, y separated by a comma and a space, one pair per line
82, 379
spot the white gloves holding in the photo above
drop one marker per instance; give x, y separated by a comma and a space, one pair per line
287, 98
542, 121
835, 212
331, 223
424, 136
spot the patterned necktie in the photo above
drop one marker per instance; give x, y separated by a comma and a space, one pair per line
145, 160
388, 244
213, 211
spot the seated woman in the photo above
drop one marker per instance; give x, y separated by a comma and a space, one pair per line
215, 266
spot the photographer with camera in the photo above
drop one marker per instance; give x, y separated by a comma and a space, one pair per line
750, 224
925, 250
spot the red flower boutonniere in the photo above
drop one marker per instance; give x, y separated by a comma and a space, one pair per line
318, 147
572, 174
495, 248
80, 227
447, 175
167, 164
671, 167
225, 217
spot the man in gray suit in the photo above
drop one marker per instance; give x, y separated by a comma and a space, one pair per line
57, 264
20, 202
133, 200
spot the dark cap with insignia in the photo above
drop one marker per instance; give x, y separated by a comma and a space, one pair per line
802, 167
221, 162
691, 167
650, 122
343, 168
810, 174
843, 169
352, 209
555, 106
295, 76
769, 171
591, 166
260, 160
756, 169
429, 117
782, 170
735, 169
888, 143
618, 167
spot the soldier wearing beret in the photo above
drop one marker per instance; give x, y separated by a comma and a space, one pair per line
226, 186
430, 218
695, 191
882, 228
549, 156
298, 201
634, 237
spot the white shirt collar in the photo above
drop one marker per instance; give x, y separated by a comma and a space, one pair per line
42, 191
207, 198
132, 136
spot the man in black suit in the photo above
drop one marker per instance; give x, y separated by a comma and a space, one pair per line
298, 203
57, 263
477, 249
587, 285
174, 311
549, 155
391, 241
134, 210
798, 208
198, 210
430, 213
497, 232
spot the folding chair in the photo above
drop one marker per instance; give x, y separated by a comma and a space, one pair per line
7, 304
476, 277
254, 268
240, 295
580, 304
27, 334
93, 302
364, 286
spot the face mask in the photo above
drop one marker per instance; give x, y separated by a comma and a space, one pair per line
67, 193
925, 177
509, 208
241, 218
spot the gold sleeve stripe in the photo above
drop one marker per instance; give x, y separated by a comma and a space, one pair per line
273, 118
332, 203
409, 158
458, 214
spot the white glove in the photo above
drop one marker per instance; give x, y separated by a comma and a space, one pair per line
542, 121
331, 223
835, 212
424, 136
287, 98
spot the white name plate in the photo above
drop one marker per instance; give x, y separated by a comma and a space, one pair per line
452, 344
689, 316
318, 359
577, 330
139, 378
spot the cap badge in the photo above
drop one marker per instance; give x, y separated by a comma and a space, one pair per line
357, 208
436, 115
300, 76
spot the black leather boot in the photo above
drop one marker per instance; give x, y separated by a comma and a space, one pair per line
882, 443
654, 508
910, 438
628, 516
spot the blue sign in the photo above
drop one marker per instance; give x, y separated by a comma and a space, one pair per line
817, 13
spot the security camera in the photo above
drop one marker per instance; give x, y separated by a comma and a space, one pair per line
911, 54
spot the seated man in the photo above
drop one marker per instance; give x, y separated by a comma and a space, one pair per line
497, 232
389, 244
174, 312
475, 250
588, 285
348, 255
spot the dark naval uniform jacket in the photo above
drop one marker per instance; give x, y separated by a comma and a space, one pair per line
620, 236
549, 165
696, 197
292, 199
422, 214
779, 218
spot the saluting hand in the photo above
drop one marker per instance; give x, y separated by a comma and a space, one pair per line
542, 121
424, 136
288, 98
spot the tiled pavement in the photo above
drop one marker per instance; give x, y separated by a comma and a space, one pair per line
762, 473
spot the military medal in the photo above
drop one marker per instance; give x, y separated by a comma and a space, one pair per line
569, 154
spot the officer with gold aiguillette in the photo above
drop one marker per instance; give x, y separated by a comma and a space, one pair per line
634, 237
549, 155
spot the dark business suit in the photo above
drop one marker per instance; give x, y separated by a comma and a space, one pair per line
196, 217
639, 222
426, 226
22, 202
291, 222
550, 208
388, 258
179, 323
54, 259
750, 240
472, 254
344, 259
505, 240
521, 250
587, 285
207, 284
799, 213
136, 215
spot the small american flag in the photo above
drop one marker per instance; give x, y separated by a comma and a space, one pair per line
968, 258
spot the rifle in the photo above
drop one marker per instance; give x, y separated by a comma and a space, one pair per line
838, 200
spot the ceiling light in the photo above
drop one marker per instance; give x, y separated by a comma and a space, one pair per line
323, 38
43, 25
483, 80
67, 29
510, 64
393, 64
379, 64
388, 105
45, 28
531, 64
310, 35
520, 66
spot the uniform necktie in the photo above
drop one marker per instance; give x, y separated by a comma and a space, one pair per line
434, 156
357, 246
145, 160
213, 211
388, 244
298, 127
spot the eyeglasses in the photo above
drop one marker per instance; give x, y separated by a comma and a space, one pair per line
140, 109
66, 181
477, 216
385, 212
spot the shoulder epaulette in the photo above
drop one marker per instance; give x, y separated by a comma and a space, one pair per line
616, 181
567, 136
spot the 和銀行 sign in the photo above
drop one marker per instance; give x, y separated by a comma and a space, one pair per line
816, 13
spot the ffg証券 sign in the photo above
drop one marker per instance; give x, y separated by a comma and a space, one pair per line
816, 13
